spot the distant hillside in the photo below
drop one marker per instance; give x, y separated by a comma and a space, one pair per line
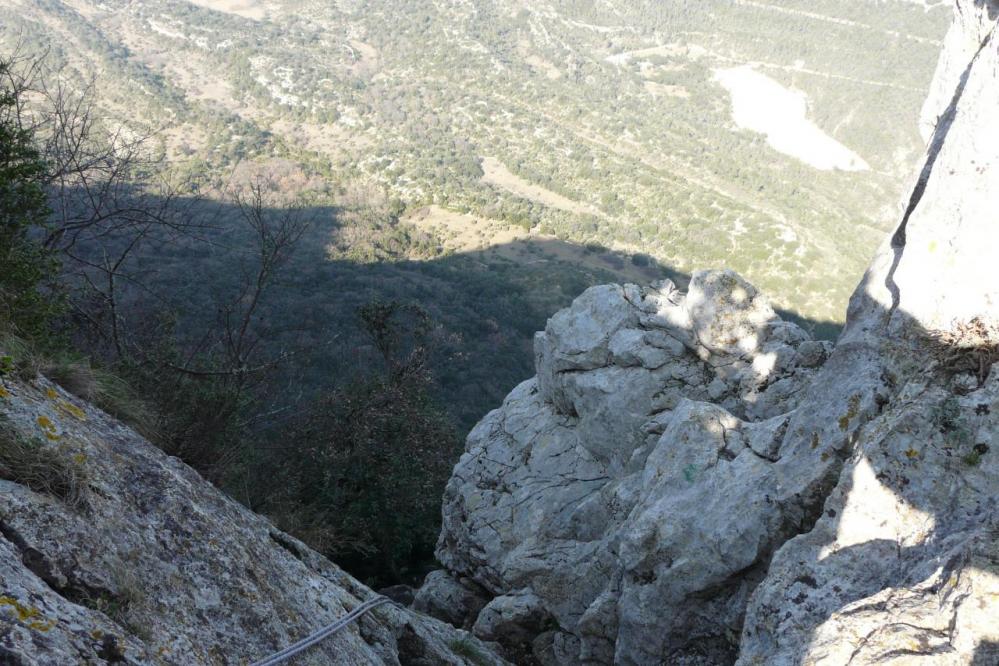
597, 121
630, 125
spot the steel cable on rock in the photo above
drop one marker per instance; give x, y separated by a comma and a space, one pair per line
322, 634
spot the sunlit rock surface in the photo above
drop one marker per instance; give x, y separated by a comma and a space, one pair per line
607, 485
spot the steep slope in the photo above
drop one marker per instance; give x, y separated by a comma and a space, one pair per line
677, 460
112, 552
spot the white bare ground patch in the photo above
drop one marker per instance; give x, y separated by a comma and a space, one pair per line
251, 9
364, 57
763, 105
539, 64
662, 89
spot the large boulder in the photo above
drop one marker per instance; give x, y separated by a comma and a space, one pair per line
455, 602
113, 552
606, 486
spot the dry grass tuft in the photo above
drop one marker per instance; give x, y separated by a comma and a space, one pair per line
43, 467
105, 390
23, 362
77, 377
971, 346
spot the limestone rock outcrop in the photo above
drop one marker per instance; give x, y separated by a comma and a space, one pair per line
113, 552
690, 480
450, 600
608, 485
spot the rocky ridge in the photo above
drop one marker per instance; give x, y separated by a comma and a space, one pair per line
689, 479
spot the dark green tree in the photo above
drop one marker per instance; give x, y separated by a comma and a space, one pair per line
364, 472
27, 270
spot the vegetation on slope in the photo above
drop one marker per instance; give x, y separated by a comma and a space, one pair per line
376, 445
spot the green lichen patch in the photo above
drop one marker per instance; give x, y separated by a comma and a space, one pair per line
949, 417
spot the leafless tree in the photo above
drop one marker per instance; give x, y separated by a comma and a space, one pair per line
276, 228
102, 180
108, 193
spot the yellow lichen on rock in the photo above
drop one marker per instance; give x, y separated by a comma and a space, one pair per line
49, 428
31, 617
72, 410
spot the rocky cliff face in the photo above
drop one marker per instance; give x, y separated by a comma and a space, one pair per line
112, 552
689, 479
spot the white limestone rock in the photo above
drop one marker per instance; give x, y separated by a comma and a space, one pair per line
904, 563
605, 482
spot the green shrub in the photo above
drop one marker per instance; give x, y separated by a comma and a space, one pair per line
361, 475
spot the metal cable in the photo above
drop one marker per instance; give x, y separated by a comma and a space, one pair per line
322, 634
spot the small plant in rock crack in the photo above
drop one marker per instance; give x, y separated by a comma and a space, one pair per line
976, 454
464, 647
947, 416
121, 604
6, 365
40, 466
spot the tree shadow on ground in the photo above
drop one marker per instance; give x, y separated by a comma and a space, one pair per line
489, 302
